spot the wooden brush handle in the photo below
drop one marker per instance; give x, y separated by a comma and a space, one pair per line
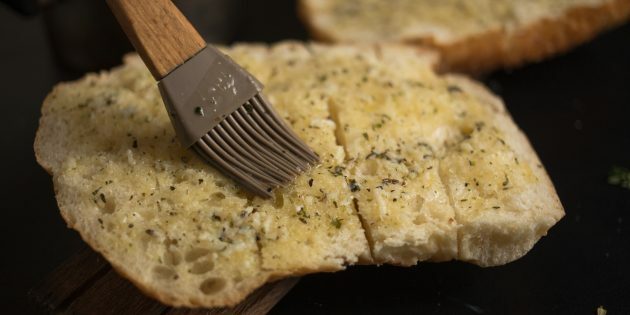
161, 34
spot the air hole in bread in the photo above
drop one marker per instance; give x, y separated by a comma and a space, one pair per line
243, 194
466, 131
169, 241
164, 273
159, 166
221, 183
369, 167
182, 176
217, 196
212, 286
417, 204
108, 206
196, 253
278, 201
110, 227
202, 267
172, 257
334, 115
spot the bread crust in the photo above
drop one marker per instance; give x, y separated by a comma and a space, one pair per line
539, 40
508, 49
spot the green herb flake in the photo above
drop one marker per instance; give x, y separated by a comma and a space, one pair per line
479, 125
388, 181
382, 155
354, 186
337, 170
619, 176
303, 216
336, 222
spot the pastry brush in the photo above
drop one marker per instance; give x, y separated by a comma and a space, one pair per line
216, 107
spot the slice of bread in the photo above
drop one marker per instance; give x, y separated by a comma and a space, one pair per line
169, 222
394, 137
438, 168
472, 36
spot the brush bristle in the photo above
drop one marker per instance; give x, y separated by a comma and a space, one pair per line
255, 147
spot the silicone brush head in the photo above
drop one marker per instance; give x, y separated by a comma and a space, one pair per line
217, 109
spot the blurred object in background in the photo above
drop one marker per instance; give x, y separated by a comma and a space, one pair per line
84, 35
26, 7
216, 20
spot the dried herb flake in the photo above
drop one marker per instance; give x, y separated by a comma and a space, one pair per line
354, 186
619, 176
336, 222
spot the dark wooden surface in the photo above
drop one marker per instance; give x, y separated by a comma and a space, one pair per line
85, 284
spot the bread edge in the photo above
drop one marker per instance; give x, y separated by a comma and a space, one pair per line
555, 211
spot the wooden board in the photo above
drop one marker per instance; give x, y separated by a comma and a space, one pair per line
86, 284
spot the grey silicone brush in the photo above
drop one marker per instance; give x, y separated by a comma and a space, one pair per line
216, 107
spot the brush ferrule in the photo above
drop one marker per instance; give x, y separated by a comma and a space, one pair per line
204, 90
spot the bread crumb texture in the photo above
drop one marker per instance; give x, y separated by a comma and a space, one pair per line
472, 35
415, 167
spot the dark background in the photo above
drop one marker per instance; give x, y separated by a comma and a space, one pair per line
575, 109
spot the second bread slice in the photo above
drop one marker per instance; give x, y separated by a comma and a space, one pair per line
471, 35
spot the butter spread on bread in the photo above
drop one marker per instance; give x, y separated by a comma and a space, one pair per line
415, 166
